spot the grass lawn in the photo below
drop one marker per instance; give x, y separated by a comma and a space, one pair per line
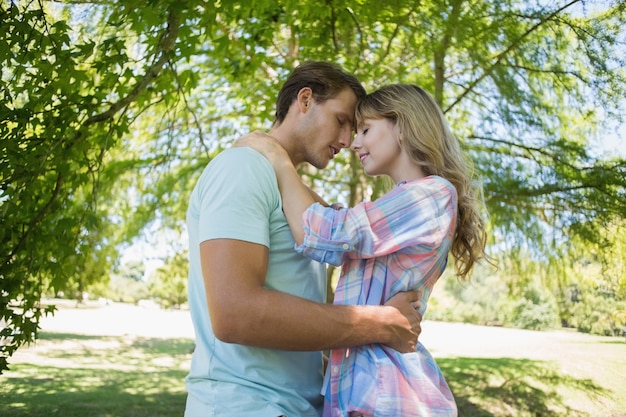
79, 376
522, 387
76, 375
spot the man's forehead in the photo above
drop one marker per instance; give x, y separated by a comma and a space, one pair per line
344, 102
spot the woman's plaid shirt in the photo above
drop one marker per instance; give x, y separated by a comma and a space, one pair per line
396, 243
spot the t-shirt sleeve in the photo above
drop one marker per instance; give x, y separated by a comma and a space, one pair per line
236, 197
411, 215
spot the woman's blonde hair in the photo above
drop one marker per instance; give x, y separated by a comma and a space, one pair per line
426, 137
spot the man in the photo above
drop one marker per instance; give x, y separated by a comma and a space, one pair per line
258, 306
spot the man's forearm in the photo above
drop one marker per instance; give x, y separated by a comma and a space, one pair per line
244, 311
281, 321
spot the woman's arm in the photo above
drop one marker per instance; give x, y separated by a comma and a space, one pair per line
318, 198
295, 195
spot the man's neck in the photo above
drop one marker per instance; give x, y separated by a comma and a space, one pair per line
283, 134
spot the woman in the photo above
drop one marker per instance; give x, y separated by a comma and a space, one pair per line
399, 242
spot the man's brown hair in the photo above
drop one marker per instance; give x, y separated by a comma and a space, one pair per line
325, 79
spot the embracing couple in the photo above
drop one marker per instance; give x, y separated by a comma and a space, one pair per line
259, 240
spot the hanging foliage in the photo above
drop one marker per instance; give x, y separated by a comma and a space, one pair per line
110, 110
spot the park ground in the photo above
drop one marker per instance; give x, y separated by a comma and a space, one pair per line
493, 371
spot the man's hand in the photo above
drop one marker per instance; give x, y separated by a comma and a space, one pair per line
408, 304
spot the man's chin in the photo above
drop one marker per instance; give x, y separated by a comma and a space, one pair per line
320, 164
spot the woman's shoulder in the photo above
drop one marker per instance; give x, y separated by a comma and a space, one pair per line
432, 182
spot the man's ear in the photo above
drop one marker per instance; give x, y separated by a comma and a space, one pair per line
305, 99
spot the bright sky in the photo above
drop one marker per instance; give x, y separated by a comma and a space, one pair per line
616, 145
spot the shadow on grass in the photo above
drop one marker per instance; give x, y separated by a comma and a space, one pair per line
102, 376
83, 392
489, 387
147, 346
66, 336
613, 342
98, 376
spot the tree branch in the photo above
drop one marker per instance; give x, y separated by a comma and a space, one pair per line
502, 54
529, 149
164, 50
26, 231
440, 53
165, 47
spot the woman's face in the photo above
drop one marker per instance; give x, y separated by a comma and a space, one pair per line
378, 146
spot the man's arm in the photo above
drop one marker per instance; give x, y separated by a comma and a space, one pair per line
243, 311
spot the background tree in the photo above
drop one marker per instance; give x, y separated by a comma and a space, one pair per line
128, 284
168, 284
110, 110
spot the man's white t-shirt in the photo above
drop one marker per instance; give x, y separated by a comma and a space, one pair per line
237, 197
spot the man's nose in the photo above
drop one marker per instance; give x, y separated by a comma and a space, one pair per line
345, 138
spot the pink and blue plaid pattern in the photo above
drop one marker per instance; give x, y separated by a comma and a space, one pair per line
398, 242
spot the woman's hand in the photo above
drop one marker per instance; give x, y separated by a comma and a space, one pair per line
266, 145
295, 195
